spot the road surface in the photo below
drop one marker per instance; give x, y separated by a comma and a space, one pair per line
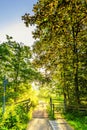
40, 119
39, 124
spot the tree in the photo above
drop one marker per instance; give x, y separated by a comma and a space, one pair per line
16, 65
61, 27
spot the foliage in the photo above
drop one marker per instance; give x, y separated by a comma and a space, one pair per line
17, 115
16, 66
78, 121
60, 53
61, 45
15, 119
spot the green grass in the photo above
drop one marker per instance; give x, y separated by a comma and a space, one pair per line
77, 120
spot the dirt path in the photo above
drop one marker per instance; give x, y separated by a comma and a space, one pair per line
39, 124
40, 119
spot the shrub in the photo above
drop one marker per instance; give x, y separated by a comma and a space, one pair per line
15, 119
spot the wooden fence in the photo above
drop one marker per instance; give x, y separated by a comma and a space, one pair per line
59, 107
26, 104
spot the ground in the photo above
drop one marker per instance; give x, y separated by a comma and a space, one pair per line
40, 121
39, 124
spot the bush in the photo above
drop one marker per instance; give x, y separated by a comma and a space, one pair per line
15, 119
77, 120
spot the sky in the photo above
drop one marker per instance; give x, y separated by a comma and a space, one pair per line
11, 23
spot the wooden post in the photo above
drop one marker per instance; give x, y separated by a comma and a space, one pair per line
53, 110
64, 102
51, 104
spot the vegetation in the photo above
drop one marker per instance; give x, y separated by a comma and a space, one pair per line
58, 61
78, 121
17, 96
15, 119
61, 47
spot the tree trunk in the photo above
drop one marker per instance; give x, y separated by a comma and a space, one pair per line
75, 67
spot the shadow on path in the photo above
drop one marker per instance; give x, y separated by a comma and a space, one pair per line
40, 119
40, 114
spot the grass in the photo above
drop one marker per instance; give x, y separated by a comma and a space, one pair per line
77, 120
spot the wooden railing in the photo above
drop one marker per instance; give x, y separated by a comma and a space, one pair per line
26, 103
61, 107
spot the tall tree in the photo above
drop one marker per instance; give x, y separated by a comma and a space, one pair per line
61, 27
16, 65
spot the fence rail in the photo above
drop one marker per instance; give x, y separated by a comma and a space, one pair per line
61, 107
25, 103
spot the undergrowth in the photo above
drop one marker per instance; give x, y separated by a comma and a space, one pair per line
77, 119
15, 118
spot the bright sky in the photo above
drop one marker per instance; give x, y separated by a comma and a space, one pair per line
11, 23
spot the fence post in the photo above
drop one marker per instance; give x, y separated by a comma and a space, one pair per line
53, 111
52, 107
64, 102
51, 104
